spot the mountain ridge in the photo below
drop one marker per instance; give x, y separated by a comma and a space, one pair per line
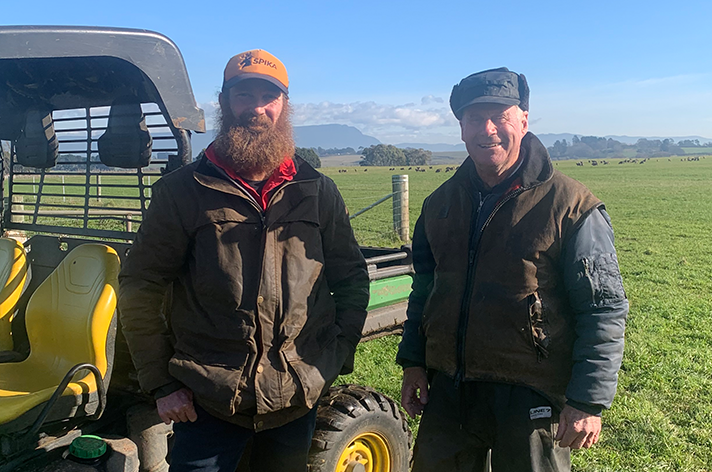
343, 136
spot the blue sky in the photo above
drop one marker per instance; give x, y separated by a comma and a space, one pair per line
387, 67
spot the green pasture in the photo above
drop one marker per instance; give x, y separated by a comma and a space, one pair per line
662, 217
698, 150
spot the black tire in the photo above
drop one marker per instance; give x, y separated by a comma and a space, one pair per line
359, 418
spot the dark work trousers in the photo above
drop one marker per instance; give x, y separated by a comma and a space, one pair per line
213, 445
461, 425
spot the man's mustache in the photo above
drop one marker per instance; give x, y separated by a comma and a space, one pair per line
253, 122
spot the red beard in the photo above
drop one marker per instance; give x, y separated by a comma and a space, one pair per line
253, 144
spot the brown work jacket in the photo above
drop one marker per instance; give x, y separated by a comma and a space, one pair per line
267, 306
501, 313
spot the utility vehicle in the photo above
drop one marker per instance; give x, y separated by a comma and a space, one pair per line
89, 119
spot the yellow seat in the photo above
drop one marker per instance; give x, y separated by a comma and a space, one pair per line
13, 276
68, 321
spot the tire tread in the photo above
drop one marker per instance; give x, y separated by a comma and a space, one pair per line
344, 403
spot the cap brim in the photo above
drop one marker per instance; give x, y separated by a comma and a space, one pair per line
252, 75
487, 99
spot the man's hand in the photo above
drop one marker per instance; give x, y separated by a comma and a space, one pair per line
577, 429
178, 407
414, 393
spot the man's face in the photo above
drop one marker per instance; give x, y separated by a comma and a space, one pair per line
492, 134
255, 129
255, 101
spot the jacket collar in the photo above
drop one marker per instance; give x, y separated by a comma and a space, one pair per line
303, 171
535, 169
284, 173
213, 177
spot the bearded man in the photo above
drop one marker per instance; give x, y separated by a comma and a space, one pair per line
265, 287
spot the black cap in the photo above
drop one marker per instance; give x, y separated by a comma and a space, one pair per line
490, 86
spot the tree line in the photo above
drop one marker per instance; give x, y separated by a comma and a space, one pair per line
389, 155
321, 152
310, 155
693, 143
593, 147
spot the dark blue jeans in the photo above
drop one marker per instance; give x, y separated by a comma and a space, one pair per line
214, 445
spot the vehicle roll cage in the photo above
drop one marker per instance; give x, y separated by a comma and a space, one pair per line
63, 67
59, 86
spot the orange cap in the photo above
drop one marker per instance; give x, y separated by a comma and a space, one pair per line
256, 64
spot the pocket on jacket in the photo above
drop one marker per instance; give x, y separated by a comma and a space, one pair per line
226, 244
441, 308
217, 216
214, 384
317, 368
301, 241
538, 325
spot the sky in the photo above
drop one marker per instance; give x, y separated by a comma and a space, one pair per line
635, 68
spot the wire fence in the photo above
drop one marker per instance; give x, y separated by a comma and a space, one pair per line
376, 223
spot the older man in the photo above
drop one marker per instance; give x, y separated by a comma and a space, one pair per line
515, 325
268, 288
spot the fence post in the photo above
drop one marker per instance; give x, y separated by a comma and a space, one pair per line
129, 221
401, 220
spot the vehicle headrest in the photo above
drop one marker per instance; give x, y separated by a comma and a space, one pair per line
126, 143
37, 145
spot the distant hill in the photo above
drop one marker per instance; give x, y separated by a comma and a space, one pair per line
441, 147
342, 136
332, 136
548, 139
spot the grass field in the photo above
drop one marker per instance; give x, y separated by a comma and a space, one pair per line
662, 217
698, 150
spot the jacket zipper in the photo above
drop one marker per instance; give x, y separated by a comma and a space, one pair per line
262, 214
464, 308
